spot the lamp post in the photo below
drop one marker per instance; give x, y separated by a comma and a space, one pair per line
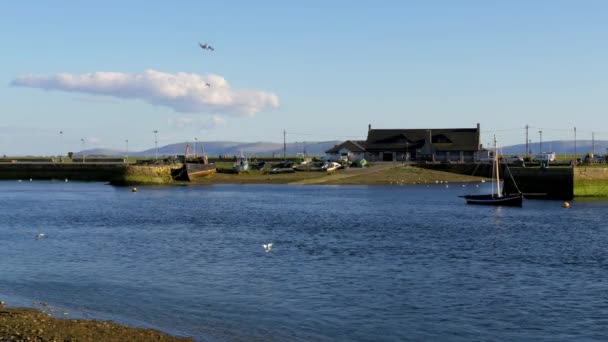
61, 146
195, 141
83, 153
127, 145
156, 144
540, 134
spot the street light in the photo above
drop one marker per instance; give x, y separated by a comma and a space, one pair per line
61, 146
83, 154
156, 144
127, 156
540, 147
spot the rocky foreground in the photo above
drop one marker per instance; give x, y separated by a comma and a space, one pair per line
22, 324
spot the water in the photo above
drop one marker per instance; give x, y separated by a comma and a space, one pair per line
348, 263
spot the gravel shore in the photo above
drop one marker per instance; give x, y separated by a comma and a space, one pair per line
24, 324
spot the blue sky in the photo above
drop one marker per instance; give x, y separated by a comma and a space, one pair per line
321, 70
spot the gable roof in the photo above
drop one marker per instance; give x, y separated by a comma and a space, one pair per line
351, 145
443, 139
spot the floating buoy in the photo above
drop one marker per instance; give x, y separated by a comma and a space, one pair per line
566, 205
133, 189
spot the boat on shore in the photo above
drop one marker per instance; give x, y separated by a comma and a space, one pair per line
193, 167
241, 164
330, 166
497, 196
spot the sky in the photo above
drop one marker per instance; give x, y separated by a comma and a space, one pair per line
106, 72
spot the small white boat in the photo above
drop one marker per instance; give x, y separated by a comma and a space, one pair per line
330, 166
241, 164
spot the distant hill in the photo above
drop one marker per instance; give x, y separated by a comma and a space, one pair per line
229, 148
318, 148
560, 147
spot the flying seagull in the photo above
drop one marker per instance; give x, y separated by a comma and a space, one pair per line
206, 47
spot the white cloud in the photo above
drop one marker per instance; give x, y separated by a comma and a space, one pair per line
184, 92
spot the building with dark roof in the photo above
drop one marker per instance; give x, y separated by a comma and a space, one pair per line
354, 150
432, 144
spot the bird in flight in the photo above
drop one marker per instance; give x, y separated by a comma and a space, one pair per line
208, 84
206, 47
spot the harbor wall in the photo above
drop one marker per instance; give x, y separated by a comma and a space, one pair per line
106, 172
71, 171
533, 182
550, 183
144, 174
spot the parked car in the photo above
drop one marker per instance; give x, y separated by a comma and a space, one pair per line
545, 156
514, 159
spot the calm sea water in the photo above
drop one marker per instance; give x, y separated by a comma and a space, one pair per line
348, 263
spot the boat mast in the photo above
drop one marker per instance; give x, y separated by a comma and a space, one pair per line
497, 166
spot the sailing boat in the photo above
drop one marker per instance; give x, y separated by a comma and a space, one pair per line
498, 197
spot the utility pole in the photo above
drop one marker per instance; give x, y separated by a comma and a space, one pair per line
575, 143
540, 147
61, 144
593, 143
527, 127
83, 153
284, 145
156, 144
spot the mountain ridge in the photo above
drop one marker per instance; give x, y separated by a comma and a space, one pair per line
318, 148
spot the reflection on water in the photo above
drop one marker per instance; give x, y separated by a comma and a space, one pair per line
347, 263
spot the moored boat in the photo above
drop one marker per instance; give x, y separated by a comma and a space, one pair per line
497, 197
510, 200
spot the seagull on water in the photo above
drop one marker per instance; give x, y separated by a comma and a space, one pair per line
40, 236
267, 247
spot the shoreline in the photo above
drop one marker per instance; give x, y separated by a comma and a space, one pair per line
32, 324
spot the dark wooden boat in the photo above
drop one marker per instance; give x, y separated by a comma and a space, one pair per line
497, 197
509, 201
193, 168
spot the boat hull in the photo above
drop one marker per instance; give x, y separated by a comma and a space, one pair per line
193, 171
240, 168
508, 201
